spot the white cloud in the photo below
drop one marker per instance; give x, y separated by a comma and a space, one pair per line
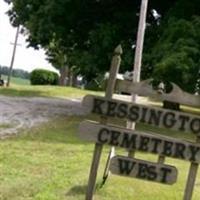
26, 58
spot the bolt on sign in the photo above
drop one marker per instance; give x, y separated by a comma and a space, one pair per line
102, 133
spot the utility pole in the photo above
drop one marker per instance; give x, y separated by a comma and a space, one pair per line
139, 50
140, 41
13, 57
136, 70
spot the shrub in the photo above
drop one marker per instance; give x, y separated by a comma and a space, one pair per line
43, 77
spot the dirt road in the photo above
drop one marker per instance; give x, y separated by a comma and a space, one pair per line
18, 113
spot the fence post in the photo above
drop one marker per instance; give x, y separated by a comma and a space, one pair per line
115, 63
191, 178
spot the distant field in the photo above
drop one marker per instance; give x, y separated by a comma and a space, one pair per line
44, 91
22, 87
18, 81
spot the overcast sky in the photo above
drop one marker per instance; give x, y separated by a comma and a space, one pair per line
26, 58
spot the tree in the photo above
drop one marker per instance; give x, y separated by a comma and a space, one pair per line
75, 24
58, 59
175, 55
86, 32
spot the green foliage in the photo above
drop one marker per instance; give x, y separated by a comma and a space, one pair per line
90, 30
176, 55
184, 9
43, 77
87, 34
15, 72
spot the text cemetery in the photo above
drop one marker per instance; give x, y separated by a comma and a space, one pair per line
135, 140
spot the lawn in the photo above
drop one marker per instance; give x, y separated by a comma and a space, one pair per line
22, 87
49, 162
44, 91
16, 80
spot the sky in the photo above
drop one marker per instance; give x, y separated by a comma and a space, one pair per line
25, 58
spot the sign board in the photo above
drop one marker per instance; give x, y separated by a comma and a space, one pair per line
135, 140
149, 171
154, 116
145, 88
101, 133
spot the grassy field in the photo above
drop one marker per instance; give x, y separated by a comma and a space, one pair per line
22, 87
18, 81
50, 163
44, 91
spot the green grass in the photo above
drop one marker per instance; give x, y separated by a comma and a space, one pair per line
3, 126
49, 162
21, 87
44, 91
16, 80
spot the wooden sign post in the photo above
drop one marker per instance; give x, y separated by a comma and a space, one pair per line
133, 140
136, 74
191, 178
144, 88
103, 134
98, 147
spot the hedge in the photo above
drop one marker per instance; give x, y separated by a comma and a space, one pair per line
43, 77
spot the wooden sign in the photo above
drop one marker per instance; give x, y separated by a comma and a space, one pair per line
135, 140
144, 88
132, 140
131, 167
154, 116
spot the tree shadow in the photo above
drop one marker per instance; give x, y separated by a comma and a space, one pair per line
77, 190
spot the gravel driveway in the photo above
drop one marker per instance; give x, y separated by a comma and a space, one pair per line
18, 113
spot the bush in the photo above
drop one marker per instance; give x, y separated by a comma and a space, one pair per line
43, 77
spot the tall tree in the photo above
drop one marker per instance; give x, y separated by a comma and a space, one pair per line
75, 24
86, 33
174, 49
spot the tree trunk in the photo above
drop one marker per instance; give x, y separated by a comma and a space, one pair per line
64, 72
72, 79
74, 83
